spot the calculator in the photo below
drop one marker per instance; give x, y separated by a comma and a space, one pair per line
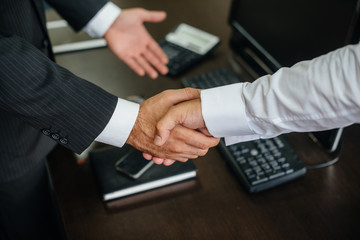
186, 46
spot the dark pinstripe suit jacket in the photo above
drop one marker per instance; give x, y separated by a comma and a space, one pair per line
41, 103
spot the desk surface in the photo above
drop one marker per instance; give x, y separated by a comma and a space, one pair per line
322, 205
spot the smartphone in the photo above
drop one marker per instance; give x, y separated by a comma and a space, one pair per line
133, 164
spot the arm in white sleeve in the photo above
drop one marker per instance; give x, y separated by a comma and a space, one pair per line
120, 125
101, 22
123, 119
315, 95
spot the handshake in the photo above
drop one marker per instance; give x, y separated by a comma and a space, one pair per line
170, 127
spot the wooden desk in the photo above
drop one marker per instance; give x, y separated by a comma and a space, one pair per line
322, 205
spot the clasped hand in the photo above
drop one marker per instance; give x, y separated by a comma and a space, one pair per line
180, 136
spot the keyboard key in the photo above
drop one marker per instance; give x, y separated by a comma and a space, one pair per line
276, 174
258, 179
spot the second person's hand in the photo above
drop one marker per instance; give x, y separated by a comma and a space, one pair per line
129, 40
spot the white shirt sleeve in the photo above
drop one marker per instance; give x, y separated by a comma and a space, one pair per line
123, 119
120, 125
315, 95
103, 19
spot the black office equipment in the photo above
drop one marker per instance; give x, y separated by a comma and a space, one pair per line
273, 34
186, 46
259, 164
264, 163
114, 184
268, 35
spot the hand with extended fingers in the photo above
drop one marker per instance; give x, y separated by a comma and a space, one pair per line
129, 40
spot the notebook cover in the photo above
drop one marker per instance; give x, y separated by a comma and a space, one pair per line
114, 184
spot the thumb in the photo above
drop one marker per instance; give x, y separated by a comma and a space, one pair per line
154, 16
164, 127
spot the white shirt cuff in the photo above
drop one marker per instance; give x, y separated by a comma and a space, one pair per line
120, 125
223, 110
102, 21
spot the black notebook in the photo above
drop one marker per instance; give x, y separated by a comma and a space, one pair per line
114, 184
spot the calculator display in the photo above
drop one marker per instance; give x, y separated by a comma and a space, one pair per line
195, 37
192, 39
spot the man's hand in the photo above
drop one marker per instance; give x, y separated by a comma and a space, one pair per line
182, 143
129, 40
187, 114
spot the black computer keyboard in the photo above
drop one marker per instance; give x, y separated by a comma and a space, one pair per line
260, 164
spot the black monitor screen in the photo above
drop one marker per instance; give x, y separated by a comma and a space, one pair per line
291, 31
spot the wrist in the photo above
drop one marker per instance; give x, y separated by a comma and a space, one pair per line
103, 20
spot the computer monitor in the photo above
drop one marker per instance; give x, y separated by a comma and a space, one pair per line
272, 34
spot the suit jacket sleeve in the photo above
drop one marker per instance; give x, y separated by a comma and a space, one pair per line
77, 12
49, 97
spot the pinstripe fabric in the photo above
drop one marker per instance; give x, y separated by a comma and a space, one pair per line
78, 19
37, 94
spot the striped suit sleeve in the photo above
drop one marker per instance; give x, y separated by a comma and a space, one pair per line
50, 97
77, 12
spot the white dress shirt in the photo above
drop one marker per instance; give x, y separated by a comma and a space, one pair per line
315, 95
123, 119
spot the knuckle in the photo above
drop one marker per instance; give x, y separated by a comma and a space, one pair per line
125, 55
190, 92
177, 149
173, 148
216, 142
203, 152
160, 126
151, 58
177, 133
165, 94
203, 146
184, 160
187, 91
